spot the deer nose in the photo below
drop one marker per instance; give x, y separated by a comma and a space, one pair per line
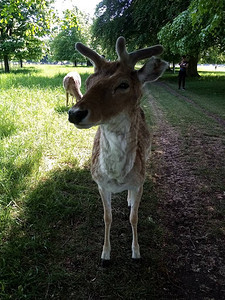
76, 116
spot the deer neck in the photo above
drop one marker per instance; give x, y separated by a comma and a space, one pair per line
118, 142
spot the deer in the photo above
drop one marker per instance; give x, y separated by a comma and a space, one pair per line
72, 84
122, 142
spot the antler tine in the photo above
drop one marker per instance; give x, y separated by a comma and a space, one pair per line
89, 53
121, 49
137, 55
132, 58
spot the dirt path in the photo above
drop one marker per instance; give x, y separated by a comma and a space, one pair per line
190, 211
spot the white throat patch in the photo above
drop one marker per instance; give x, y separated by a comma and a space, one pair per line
117, 153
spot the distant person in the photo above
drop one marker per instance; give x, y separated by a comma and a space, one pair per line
182, 73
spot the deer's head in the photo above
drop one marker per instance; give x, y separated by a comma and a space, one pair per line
114, 87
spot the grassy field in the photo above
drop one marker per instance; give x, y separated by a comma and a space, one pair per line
51, 224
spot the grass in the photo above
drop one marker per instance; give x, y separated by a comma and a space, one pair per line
51, 225
207, 91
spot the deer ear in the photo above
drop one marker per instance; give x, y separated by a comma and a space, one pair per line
152, 70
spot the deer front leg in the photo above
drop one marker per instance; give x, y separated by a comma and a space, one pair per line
78, 95
106, 200
67, 98
134, 201
129, 198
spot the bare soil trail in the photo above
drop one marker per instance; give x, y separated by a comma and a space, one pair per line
190, 207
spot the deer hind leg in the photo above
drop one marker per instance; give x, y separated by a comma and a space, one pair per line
135, 198
106, 200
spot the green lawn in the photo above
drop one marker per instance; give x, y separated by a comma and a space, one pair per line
208, 91
51, 225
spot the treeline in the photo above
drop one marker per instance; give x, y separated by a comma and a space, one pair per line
31, 30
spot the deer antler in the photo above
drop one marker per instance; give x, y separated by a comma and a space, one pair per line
89, 53
129, 59
132, 58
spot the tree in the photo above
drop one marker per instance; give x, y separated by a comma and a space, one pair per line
208, 17
195, 30
138, 21
63, 46
21, 21
213, 55
112, 20
73, 28
179, 37
31, 50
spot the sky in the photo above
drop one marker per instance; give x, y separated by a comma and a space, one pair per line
88, 6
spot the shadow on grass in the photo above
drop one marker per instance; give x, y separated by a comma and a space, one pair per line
27, 70
61, 109
16, 174
54, 251
30, 78
43, 82
7, 128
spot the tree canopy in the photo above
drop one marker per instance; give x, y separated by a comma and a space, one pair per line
191, 27
195, 30
74, 27
208, 16
22, 23
138, 21
182, 26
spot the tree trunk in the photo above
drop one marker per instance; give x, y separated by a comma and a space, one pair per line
75, 63
21, 63
6, 63
192, 67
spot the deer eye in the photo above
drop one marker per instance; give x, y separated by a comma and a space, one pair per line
123, 86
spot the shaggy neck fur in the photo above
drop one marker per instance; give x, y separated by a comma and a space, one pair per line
118, 144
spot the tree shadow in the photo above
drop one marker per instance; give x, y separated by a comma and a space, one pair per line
25, 71
16, 175
43, 82
37, 244
54, 249
61, 109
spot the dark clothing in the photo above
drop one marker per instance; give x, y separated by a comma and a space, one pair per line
182, 74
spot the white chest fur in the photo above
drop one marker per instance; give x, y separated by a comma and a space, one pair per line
117, 152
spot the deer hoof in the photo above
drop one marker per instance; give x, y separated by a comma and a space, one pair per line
137, 261
105, 263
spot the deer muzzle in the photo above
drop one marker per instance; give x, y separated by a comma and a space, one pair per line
77, 117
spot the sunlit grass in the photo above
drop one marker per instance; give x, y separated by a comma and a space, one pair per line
35, 134
207, 91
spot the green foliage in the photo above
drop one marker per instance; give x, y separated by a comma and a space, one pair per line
22, 23
213, 56
74, 27
196, 29
31, 50
112, 20
63, 46
208, 17
178, 37
138, 21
